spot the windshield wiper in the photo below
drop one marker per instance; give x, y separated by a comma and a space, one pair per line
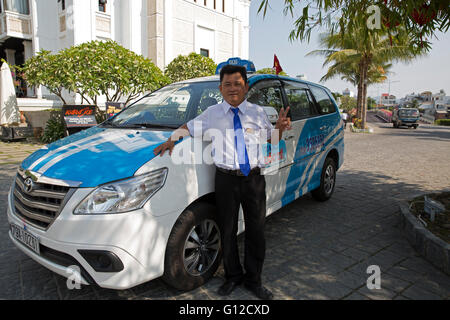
109, 123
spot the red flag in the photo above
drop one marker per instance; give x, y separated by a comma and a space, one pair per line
276, 64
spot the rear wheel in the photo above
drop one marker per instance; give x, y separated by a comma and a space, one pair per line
327, 181
193, 251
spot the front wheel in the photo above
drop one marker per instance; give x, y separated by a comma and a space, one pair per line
327, 181
193, 251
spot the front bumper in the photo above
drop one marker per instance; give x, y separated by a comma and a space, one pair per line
138, 239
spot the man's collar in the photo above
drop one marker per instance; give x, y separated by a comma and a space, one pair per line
242, 107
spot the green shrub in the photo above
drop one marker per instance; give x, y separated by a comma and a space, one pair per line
54, 128
191, 66
443, 122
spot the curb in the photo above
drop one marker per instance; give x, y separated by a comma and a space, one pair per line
355, 130
433, 249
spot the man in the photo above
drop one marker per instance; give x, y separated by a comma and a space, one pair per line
344, 118
237, 180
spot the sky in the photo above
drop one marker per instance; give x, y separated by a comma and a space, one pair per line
270, 35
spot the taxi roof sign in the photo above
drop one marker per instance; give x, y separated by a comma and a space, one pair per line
237, 62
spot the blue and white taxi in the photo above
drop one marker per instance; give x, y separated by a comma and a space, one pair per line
101, 205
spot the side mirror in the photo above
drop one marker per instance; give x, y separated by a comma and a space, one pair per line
271, 113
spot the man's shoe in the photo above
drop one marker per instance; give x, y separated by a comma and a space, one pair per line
260, 292
228, 287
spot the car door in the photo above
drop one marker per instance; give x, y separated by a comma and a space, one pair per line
269, 93
328, 126
305, 137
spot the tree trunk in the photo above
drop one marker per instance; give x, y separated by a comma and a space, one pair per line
364, 115
364, 94
359, 104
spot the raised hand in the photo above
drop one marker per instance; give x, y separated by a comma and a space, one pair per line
283, 122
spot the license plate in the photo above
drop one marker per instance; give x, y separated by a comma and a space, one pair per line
26, 238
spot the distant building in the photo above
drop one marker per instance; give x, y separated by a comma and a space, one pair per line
348, 93
441, 104
388, 100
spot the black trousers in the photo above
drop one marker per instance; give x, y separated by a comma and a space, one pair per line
250, 192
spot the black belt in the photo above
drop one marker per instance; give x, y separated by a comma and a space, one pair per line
254, 171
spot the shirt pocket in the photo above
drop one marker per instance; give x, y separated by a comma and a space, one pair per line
253, 134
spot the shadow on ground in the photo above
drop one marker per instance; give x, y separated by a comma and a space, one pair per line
314, 251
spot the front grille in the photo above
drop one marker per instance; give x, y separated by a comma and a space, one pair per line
40, 206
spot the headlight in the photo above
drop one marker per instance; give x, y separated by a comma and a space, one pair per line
122, 196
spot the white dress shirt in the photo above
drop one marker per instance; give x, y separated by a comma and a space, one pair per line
216, 123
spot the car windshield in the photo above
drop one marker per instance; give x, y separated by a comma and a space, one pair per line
409, 113
170, 106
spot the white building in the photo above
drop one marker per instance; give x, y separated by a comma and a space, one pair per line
388, 100
157, 29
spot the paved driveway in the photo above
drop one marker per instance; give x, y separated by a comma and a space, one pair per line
314, 250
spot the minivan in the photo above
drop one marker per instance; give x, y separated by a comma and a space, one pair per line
101, 205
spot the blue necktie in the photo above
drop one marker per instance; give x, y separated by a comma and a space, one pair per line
239, 143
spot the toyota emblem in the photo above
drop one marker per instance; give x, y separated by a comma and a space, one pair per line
28, 185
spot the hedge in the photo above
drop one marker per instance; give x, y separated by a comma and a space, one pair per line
443, 122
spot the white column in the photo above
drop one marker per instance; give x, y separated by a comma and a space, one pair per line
35, 39
28, 53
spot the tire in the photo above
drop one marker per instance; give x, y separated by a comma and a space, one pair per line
193, 252
395, 124
327, 181
415, 127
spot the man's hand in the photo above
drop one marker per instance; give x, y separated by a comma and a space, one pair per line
283, 122
169, 144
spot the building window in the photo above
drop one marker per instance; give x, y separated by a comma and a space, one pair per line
102, 5
223, 5
63, 4
204, 52
214, 4
19, 6
204, 2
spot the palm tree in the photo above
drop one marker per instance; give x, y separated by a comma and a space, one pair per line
362, 56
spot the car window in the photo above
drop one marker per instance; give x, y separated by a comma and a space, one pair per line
324, 103
299, 100
171, 105
209, 98
266, 94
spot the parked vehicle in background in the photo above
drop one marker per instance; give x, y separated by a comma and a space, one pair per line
405, 117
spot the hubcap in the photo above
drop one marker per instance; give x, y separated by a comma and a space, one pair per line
201, 247
329, 179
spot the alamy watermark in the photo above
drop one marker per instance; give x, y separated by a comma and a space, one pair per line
74, 277
374, 20
374, 281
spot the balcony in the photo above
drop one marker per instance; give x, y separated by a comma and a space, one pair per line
15, 20
103, 25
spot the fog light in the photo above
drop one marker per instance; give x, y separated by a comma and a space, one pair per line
102, 261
